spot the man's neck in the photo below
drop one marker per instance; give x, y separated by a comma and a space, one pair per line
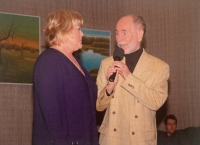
169, 133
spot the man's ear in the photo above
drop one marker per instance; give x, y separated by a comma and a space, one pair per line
140, 34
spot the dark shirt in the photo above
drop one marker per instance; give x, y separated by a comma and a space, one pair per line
132, 59
176, 138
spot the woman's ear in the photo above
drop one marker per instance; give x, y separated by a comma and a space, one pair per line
59, 39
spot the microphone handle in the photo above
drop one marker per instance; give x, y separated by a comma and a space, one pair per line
112, 77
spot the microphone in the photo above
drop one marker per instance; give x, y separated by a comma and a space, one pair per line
117, 56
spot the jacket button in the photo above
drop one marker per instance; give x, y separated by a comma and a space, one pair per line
136, 116
101, 98
131, 86
133, 133
115, 129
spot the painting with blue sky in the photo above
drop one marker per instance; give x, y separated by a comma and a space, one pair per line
96, 33
96, 47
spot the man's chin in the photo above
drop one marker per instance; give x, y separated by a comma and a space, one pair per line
171, 132
127, 51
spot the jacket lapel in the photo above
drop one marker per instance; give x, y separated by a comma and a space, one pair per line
142, 69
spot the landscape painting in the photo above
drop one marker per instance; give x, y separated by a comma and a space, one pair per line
19, 47
96, 46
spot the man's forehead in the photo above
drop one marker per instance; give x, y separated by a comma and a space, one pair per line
171, 120
124, 26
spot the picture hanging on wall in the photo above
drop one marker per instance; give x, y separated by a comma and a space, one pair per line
96, 47
19, 47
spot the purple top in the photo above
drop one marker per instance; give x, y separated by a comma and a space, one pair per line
64, 102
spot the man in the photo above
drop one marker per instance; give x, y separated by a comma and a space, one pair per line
139, 89
170, 124
171, 136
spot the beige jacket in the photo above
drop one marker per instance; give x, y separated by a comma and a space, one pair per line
130, 118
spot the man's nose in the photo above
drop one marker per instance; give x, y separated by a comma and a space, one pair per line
119, 37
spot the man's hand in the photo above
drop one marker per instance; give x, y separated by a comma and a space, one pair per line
111, 85
121, 68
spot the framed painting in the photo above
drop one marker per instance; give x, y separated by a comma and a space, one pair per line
19, 47
96, 46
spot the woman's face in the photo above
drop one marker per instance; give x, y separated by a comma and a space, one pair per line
76, 38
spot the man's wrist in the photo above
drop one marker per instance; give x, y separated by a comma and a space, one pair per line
109, 89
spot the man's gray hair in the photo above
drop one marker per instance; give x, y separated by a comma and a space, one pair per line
138, 20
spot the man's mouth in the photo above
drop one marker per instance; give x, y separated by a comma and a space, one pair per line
121, 45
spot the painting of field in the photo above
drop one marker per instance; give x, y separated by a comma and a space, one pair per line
19, 47
96, 46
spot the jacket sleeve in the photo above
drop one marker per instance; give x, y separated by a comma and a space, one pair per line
48, 88
151, 95
102, 100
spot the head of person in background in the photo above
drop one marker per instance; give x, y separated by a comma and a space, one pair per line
130, 30
63, 31
170, 124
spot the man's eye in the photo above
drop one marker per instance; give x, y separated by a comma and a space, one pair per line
124, 33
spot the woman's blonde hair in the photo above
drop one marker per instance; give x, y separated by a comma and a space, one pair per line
60, 23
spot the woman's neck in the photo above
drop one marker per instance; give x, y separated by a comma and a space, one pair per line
66, 51
69, 55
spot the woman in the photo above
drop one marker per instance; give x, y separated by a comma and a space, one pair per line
64, 93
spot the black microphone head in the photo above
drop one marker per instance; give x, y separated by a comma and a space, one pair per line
118, 54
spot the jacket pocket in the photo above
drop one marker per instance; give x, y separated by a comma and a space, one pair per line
103, 129
150, 135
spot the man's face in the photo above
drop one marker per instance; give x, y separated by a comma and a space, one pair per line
171, 126
128, 35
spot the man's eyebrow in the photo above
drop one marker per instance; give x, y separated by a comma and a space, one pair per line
121, 30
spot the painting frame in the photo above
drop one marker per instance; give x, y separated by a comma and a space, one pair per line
19, 47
